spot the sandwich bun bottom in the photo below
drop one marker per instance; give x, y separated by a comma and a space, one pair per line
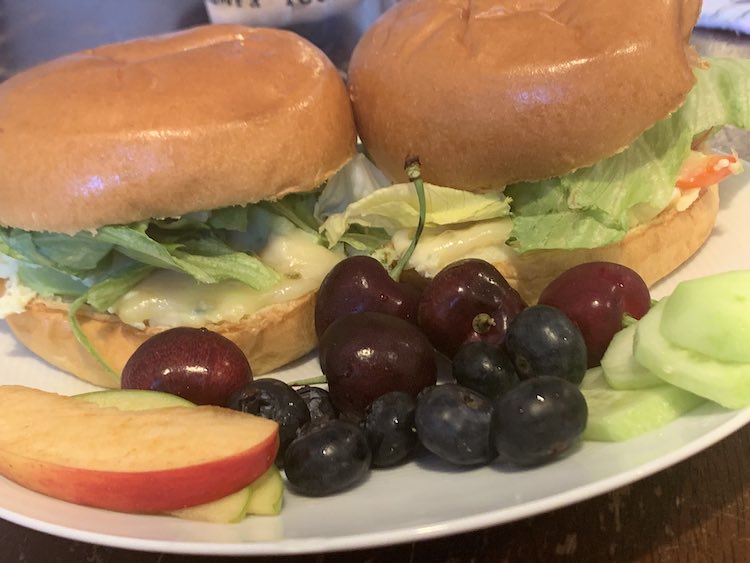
280, 334
270, 338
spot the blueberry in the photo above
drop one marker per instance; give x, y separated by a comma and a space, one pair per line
454, 423
327, 457
390, 430
542, 340
538, 420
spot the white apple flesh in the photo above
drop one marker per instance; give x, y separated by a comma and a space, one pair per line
148, 461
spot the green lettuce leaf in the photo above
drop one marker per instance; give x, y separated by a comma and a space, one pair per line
50, 282
134, 242
596, 206
396, 207
101, 296
298, 209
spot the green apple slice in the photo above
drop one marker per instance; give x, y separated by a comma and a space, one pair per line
226, 510
134, 399
267, 494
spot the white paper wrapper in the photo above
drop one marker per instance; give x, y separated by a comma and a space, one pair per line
275, 13
726, 14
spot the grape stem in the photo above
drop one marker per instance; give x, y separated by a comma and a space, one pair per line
414, 172
320, 379
482, 323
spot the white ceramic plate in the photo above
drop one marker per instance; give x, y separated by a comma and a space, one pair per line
421, 500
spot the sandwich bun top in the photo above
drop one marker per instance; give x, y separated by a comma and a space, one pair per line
491, 92
162, 126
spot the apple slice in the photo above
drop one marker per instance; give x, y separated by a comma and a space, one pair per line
266, 494
134, 399
263, 497
156, 460
226, 510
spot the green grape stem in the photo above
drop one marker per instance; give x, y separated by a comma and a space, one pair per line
414, 172
318, 380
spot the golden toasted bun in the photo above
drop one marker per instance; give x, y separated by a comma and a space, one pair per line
491, 92
158, 127
654, 249
270, 338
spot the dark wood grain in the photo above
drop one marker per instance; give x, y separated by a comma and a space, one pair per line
696, 511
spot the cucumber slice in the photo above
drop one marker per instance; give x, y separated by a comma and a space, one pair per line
711, 315
725, 383
617, 415
620, 368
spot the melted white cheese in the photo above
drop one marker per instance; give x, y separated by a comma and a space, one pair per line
439, 247
169, 298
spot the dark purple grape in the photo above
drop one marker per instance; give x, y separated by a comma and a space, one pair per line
358, 284
468, 300
327, 457
390, 430
485, 368
197, 364
538, 420
365, 355
275, 400
318, 403
596, 296
454, 423
542, 340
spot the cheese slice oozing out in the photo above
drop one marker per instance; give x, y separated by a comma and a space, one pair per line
168, 298
438, 247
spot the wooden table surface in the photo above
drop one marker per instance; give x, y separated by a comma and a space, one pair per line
697, 510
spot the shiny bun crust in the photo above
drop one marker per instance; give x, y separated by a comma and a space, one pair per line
491, 92
271, 338
654, 249
158, 127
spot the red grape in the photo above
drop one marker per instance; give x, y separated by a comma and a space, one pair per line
596, 296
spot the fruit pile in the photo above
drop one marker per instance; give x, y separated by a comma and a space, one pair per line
514, 369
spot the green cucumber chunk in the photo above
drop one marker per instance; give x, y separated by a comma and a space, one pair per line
725, 383
617, 415
711, 316
620, 368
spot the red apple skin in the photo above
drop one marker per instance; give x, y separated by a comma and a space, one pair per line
144, 492
148, 461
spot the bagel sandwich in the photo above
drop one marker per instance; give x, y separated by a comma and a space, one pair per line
549, 133
169, 181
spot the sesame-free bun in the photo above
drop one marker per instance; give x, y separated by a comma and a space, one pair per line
491, 92
654, 249
269, 338
158, 127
